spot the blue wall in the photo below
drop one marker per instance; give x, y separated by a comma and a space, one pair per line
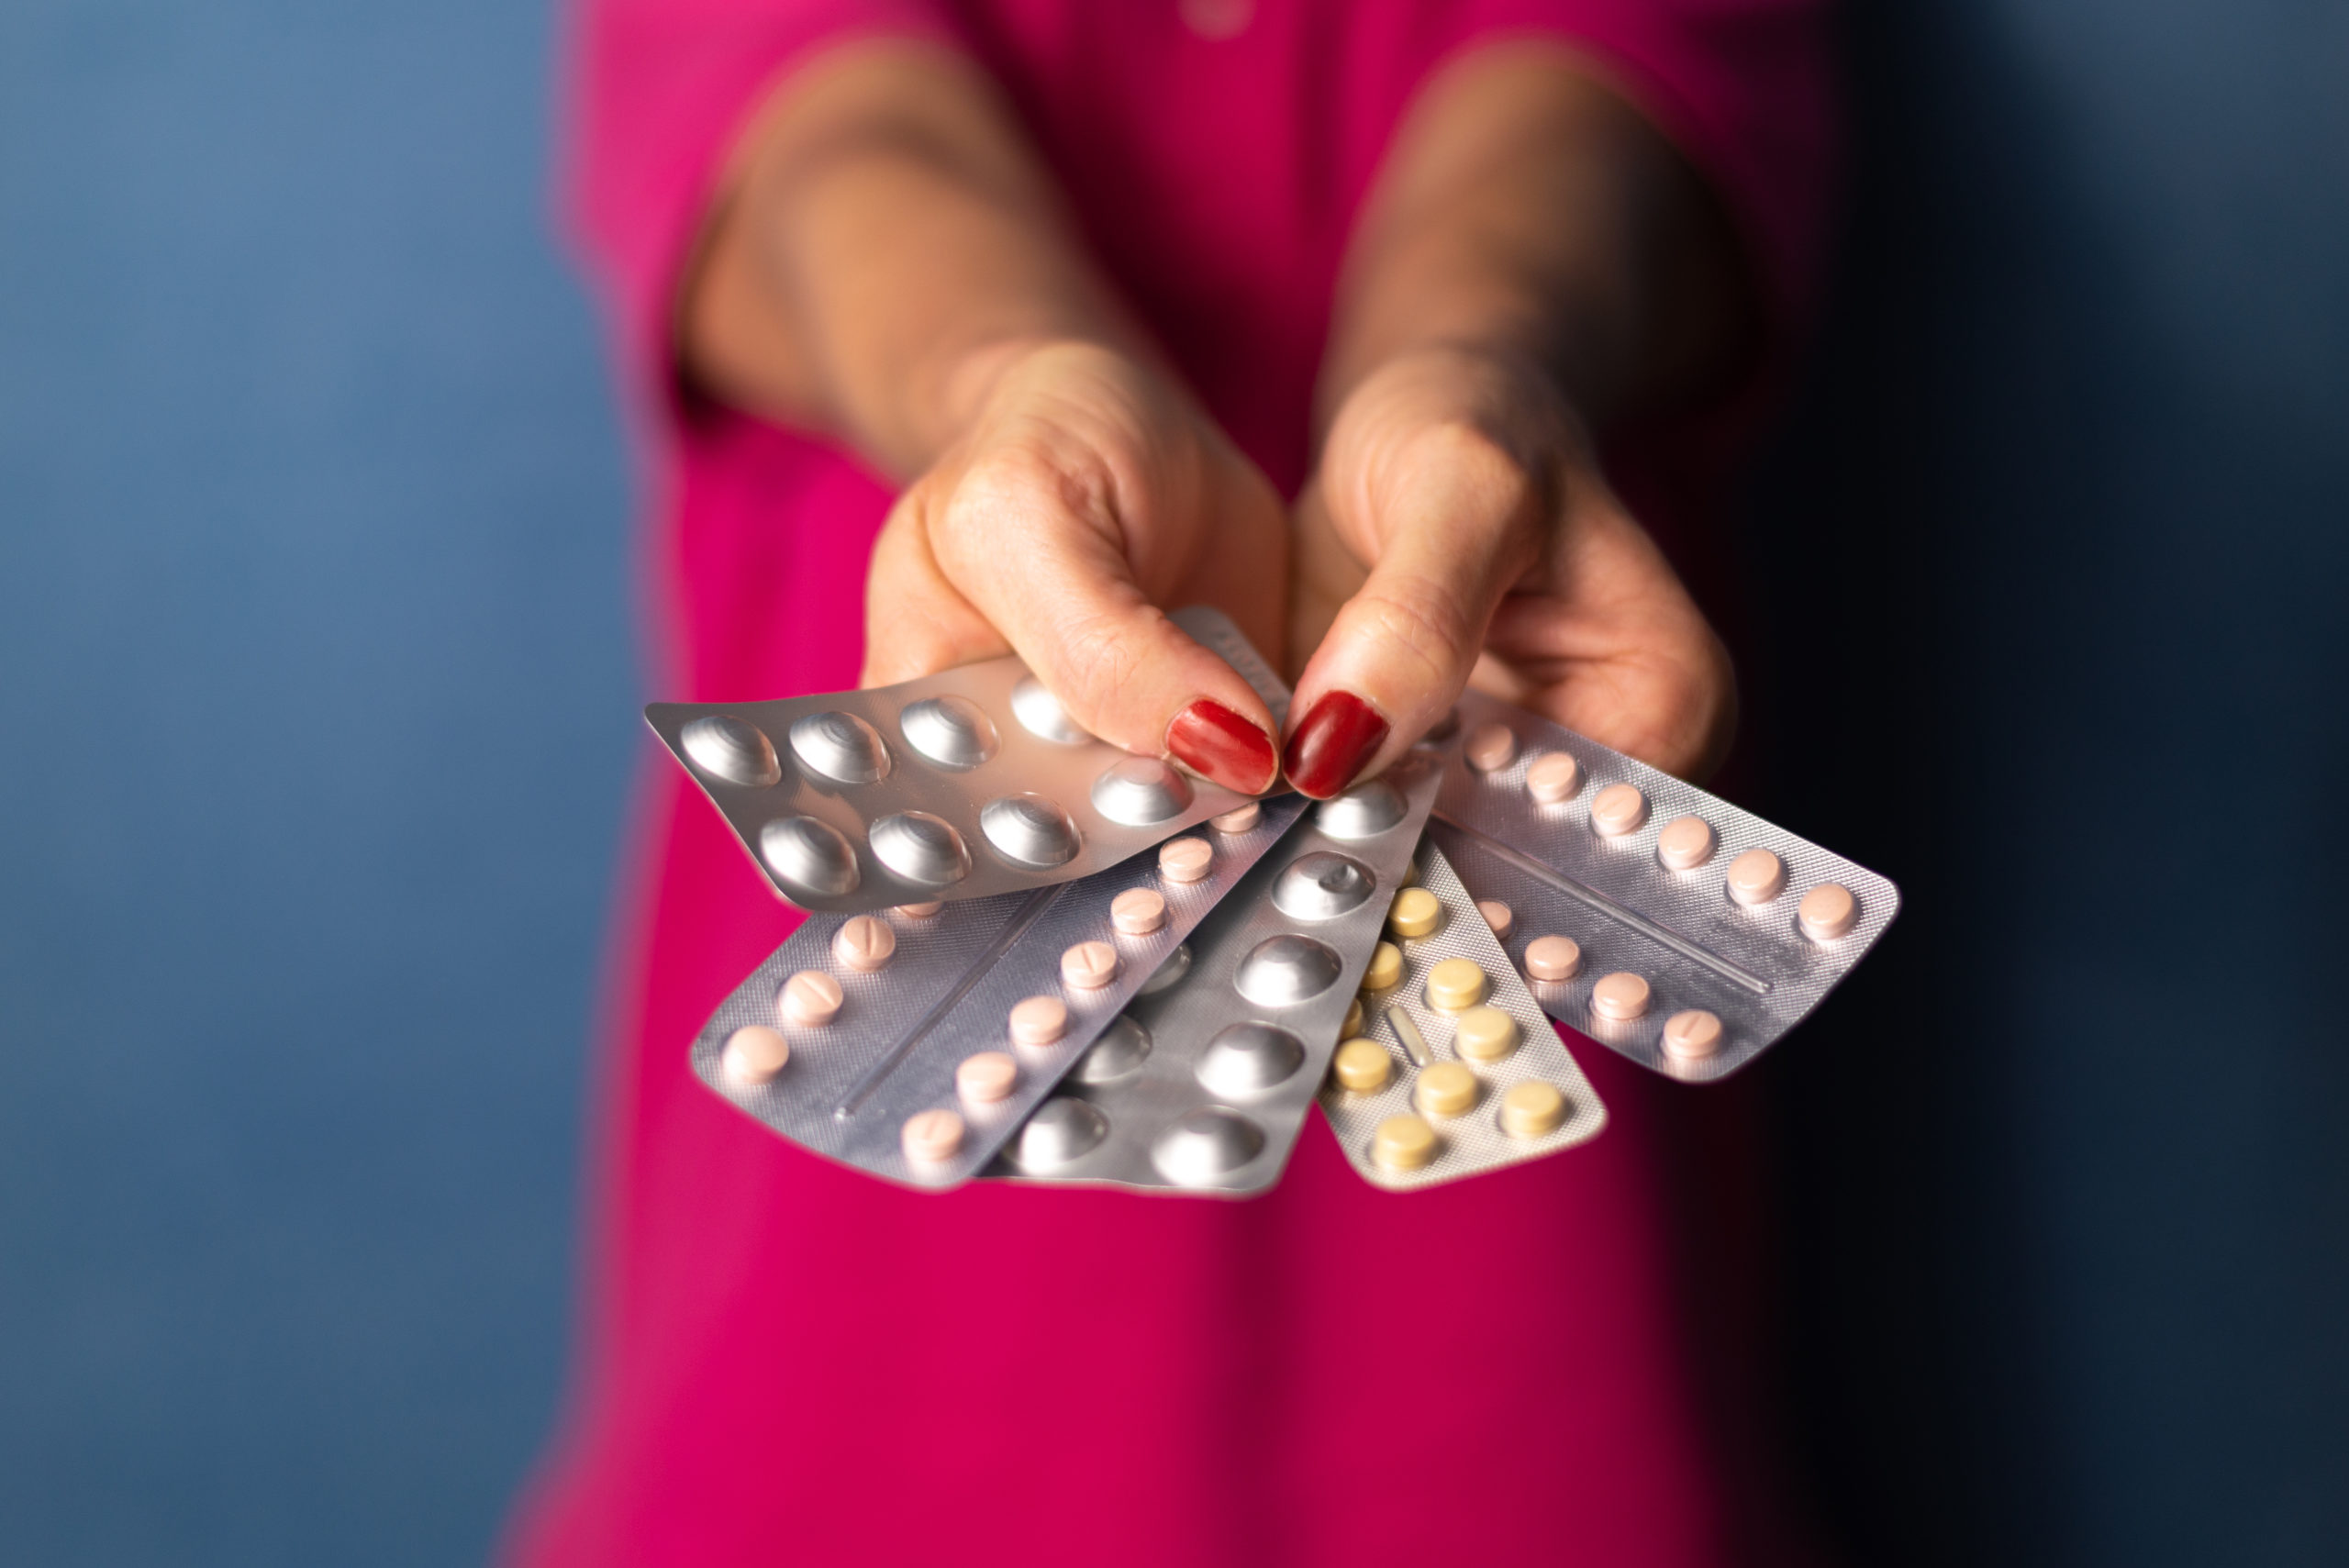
316, 672
2070, 1164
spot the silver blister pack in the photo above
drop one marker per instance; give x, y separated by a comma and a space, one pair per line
1203, 1086
963, 784
1703, 932
931, 1033
1441, 1085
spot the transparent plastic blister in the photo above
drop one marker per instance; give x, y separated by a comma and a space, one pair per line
1671, 968
1203, 1086
1454, 1085
963, 784
871, 1085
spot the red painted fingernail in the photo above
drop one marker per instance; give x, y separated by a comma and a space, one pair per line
1330, 748
1210, 739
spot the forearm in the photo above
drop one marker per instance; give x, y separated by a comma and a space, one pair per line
884, 240
1528, 211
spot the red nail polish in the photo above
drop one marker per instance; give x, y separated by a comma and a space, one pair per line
1210, 738
1330, 748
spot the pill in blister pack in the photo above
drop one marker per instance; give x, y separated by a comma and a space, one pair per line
1203, 1086
1669, 925
960, 784
910, 1043
1455, 1070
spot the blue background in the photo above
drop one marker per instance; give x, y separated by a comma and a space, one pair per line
319, 691
319, 704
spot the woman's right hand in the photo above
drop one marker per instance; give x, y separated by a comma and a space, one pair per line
1086, 491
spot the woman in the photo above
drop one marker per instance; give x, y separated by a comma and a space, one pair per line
1098, 286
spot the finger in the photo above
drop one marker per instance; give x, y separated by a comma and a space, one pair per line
916, 622
1036, 546
1454, 522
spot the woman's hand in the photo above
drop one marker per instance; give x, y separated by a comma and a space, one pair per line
1458, 510
1086, 491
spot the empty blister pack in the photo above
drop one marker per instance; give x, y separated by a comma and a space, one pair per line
910, 1043
1456, 1070
1202, 1086
1668, 925
963, 784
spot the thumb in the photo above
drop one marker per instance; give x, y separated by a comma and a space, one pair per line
1054, 580
1451, 522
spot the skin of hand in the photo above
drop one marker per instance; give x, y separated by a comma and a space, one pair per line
1087, 491
888, 262
1459, 507
1535, 252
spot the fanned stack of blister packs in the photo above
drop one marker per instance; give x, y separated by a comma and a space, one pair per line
1033, 957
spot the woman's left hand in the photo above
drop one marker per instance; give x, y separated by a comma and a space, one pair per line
1459, 511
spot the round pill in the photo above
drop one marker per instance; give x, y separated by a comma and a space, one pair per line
1455, 985
1552, 777
1403, 1144
1185, 860
932, 1136
1496, 915
922, 911
1756, 877
1620, 997
986, 1077
1532, 1109
1088, 966
1485, 1034
1038, 1020
1552, 958
1686, 843
754, 1054
864, 943
810, 999
1827, 912
1444, 1089
1415, 913
1239, 819
1137, 911
1362, 1065
1694, 1034
1386, 970
1490, 747
1619, 809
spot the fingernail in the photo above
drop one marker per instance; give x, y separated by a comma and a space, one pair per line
1331, 747
1211, 741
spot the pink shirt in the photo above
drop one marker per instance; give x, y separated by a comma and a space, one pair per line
788, 1361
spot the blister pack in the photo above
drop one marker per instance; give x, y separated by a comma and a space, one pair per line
1202, 1086
911, 1042
963, 784
1456, 1070
1662, 922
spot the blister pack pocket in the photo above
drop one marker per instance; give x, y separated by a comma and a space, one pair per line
916, 1067
1457, 1070
1666, 924
1203, 1086
962, 785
